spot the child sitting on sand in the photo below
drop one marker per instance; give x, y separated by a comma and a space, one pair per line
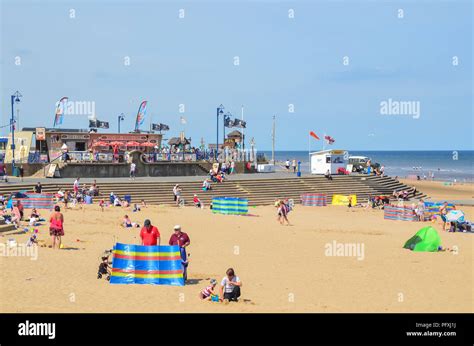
143, 203
102, 204
208, 292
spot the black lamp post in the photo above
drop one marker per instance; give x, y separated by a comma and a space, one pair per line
15, 98
121, 117
220, 110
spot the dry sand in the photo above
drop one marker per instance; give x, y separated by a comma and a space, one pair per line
283, 268
438, 191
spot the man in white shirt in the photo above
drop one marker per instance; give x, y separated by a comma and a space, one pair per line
133, 167
230, 286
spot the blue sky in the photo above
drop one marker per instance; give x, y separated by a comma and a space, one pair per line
283, 61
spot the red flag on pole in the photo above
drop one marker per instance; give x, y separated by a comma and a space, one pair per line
311, 133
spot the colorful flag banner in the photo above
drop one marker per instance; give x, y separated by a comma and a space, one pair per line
329, 140
59, 113
312, 134
154, 265
141, 115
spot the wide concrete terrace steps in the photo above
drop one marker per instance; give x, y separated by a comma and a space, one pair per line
257, 191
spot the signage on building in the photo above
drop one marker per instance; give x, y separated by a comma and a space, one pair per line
40, 133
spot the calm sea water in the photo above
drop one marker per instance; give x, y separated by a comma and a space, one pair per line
446, 165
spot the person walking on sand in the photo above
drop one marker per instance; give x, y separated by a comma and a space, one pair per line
56, 228
287, 165
230, 286
282, 210
293, 164
149, 234
182, 240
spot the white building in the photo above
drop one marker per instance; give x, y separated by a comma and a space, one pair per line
321, 161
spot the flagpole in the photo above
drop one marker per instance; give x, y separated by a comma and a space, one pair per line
309, 151
243, 129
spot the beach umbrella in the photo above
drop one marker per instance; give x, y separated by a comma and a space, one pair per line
116, 143
133, 144
148, 144
455, 216
100, 144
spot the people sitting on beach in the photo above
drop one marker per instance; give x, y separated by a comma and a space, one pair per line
208, 293
60, 195
328, 175
34, 218
127, 223
136, 208
230, 286
206, 185
220, 177
197, 202
94, 189
34, 213
117, 201
143, 203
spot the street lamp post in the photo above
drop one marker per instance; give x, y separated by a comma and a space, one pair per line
15, 98
121, 117
220, 110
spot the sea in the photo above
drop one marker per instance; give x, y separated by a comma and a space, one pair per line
446, 165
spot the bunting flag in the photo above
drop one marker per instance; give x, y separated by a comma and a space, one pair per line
160, 127
228, 121
59, 113
141, 115
329, 140
154, 265
98, 124
312, 134
239, 123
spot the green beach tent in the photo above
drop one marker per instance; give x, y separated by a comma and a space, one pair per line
426, 239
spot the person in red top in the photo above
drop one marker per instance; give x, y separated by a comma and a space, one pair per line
182, 240
150, 234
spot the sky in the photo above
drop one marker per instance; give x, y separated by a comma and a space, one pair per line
322, 66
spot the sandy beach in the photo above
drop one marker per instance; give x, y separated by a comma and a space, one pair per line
283, 268
437, 190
